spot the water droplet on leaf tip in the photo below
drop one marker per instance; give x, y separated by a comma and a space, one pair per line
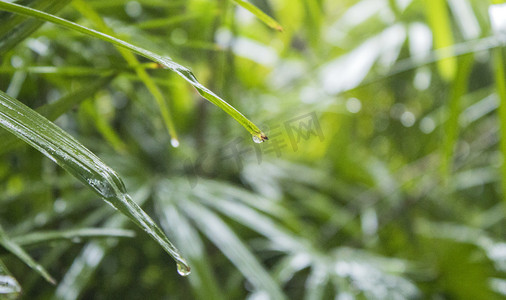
259, 138
174, 142
183, 269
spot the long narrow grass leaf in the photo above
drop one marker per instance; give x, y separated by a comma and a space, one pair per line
132, 61
38, 237
269, 21
76, 159
15, 249
439, 21
500, 83
164, 61
14, 29
459, 89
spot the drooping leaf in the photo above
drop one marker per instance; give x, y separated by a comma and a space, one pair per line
87, 11
269, 21
76, 159
164, 61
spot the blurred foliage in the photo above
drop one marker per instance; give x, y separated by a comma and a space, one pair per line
383, 176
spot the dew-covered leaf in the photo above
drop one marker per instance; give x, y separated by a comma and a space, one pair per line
164, 61
76, 159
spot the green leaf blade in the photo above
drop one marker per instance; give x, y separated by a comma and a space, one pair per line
259, 14
15, 249
164, 61
76, 159
15, 29
439, 21
500, 84
48, 236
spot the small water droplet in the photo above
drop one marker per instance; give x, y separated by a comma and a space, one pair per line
183, 269
259, 138
174, 142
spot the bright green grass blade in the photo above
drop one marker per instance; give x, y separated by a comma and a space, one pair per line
439, 21
164, 61
15, 249
451, 129
9, 287
500, 83
260, 14
132, 61
55, 109
71, 155
313, 19
14, 28
39, 237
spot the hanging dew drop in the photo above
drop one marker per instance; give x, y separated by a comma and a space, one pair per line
174, 142
256, 139
259, 138
183, 269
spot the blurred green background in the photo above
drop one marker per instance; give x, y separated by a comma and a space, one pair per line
383, 176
